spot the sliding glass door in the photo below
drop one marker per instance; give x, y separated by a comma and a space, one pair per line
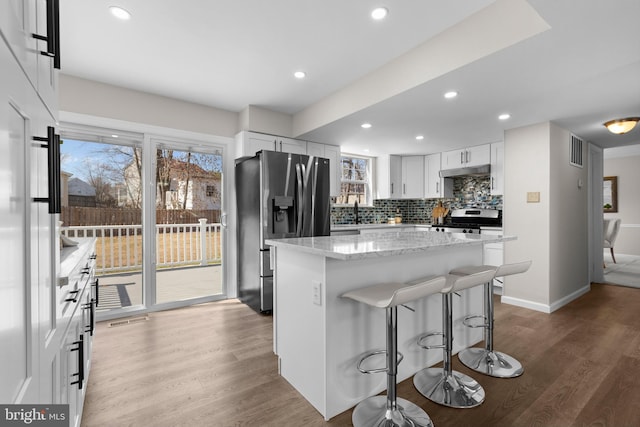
188, 222
101, 175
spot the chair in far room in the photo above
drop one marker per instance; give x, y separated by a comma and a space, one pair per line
611, 229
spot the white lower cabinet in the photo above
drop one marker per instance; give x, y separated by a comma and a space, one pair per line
77, 291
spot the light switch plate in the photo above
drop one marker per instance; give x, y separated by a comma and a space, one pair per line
533, 197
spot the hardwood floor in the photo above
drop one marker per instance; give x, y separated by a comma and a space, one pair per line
213, 365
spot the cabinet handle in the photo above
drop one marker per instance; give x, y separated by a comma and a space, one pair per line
461, 157
392, 188
466, 156
53, 156
75, 296
493, 181
97, 298
80, 350
93, 256
404, 188
53, 33
437, 188
91, 326
85, 270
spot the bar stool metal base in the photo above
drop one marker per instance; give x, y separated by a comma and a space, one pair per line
455, 390
492, 363
374, 412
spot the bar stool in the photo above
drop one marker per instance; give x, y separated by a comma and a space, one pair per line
390, 410
446, 386
486, 360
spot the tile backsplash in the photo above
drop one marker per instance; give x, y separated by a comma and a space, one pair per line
468, 192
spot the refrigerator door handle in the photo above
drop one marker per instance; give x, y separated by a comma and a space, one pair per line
314, 185
300, 195
223, 220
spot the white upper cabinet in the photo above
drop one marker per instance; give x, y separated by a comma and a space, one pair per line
17, 24
288, 145
331, 152
497, 168
249, 143
434, 185
412, 177
471, 156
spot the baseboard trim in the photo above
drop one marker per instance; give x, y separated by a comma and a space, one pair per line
546, 308
531, 305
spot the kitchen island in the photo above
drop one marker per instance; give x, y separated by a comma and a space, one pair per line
319, 336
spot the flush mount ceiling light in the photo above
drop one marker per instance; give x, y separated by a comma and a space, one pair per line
365, 125
300, 74
420, 137
451, 94
119, 13
504, 116
379, 13
620, 126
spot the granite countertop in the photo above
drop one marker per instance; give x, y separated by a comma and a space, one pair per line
383, 244
345, 227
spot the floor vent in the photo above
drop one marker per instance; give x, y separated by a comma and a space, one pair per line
128, 321
575, 155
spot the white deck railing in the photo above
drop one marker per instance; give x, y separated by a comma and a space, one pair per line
119, 247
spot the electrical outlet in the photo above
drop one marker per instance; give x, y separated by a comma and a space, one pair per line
317, 292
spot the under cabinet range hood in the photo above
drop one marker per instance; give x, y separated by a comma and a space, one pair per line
480, 170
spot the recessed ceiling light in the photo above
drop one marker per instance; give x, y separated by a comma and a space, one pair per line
366, 150
379, 13
420, 137
365, 125
300, 74
451, 94
504, 116
114, 136
119, 13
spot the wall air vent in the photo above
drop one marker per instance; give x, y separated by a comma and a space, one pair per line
576, 153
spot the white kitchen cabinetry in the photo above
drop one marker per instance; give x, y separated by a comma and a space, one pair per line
493, 254
33, 322
471, 156
331, 152
497, 168
412, 177
77, 294
388, 177
434, 185
249, 143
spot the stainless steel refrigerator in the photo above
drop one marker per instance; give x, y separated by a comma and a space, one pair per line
278, 195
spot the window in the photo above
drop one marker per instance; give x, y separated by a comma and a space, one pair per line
355, 181
211, 191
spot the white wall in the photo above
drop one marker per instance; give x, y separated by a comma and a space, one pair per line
553, 233
258, 119
569, 226
627, 169
102, 100
527, 169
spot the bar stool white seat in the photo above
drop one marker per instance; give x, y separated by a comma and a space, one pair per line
486, 360
390, 410
446, 386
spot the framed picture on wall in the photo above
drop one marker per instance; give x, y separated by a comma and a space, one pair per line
610, 194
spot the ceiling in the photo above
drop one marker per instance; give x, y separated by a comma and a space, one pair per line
578, 66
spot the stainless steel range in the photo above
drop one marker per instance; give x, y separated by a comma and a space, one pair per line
470, 220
